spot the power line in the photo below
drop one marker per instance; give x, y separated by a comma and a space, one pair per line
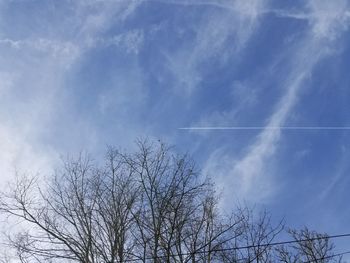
285, 242
253, 246
328, 257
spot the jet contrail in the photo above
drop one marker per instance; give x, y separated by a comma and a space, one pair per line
268, 128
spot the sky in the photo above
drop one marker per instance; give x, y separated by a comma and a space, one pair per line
78, 75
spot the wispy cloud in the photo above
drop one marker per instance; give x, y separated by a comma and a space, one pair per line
326, 18
84, 32
39, 111
238, 21
60, 50
340, 173
130, 41
34, 104
98, 15
250, 176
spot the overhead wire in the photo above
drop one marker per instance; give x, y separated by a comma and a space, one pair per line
324, 237
327, 257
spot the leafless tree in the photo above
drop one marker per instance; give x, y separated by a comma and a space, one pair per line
149, 206
309, 246
83, 214
252, 240
178, 220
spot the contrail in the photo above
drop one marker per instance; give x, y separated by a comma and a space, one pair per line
268, 128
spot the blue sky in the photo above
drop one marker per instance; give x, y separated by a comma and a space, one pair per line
80, 75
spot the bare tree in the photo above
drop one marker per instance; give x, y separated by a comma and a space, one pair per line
309, 246
251, 241
178, 218
83, 214
149, 206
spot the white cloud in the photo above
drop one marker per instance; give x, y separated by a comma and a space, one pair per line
10, 42
99, 15
238, 21
6, 81
62, 50
91, 18
34, 105
340, 173
248, 7
329, 18
18, 132
243, 95
130, 41
20, 154
251, 177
